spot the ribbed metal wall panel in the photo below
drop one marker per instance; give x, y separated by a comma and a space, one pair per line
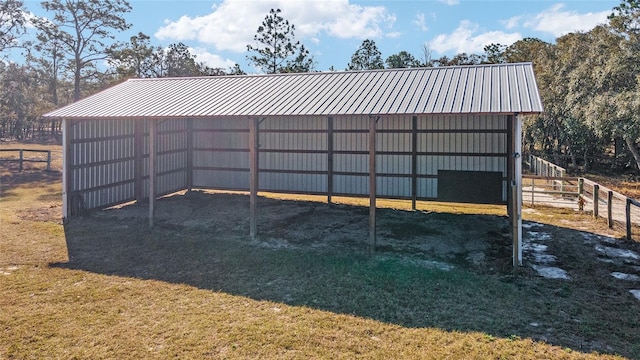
443, 137
221, 153
101, 161
172, 156
293, 154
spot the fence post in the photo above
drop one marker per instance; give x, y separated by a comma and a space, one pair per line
580, 186
596, 199
21, 159
628, 218
610, 209
49, 160
533, 189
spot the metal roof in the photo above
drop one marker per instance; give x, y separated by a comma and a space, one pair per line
476, 89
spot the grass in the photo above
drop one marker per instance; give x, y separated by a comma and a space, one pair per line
101, 287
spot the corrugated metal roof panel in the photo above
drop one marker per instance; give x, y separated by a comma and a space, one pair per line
489, 89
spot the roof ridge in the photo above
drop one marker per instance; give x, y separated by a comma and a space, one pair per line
319, 73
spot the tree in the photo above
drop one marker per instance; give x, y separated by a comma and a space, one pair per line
367, 57
402, 60
236, 70
275, 45
51, 59
625, 18
135, 59
85, 27
301, 63
178, 61
12, 23
495, 53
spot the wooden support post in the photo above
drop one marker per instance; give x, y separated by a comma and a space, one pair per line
189, 154
372, 183
510, 167
533, 190
66, 169
138, 168
610, 209
596, 199
414, 161
580, 187
627, 212
253, 175
21, 159
516, 193
329, 159
49, 160
514, 230
153, 133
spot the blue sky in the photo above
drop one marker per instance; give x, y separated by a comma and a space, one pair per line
218, 31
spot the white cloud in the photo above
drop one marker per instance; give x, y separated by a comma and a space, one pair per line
558, 22
450, 2
232, 24
512, 23
211, 60
420, 22
466, 39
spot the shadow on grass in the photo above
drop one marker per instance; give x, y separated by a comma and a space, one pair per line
588, 313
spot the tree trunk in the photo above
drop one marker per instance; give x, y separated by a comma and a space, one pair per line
631, 144
586, 162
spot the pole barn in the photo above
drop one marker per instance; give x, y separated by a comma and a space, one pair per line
448, 134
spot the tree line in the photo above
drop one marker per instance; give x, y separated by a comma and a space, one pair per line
589, 81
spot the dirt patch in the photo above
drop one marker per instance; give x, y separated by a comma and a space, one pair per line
476, 241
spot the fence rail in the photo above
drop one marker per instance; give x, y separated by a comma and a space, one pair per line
551, 187
20, 159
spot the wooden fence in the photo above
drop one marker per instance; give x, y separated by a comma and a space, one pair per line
552, 187
20, 158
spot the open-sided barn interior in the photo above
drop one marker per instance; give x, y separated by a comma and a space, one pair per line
446, 134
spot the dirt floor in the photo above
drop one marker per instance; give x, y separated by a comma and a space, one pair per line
430, 239
440, 240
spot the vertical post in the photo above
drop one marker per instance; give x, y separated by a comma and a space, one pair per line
66, 161
21, 159
48, 160
627, 212
189, 154
580, 187
414, 161
372, 183
516, 196
329, 159
253, 175
510, 167
153, 133
533, 190
610, 209
138, 151
596, 199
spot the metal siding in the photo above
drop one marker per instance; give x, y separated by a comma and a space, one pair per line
222, 144
459, 140
98, 161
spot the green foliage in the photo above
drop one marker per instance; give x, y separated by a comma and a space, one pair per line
367, 57
402, 60
275, 45
90, 38
12, 23
134, 58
